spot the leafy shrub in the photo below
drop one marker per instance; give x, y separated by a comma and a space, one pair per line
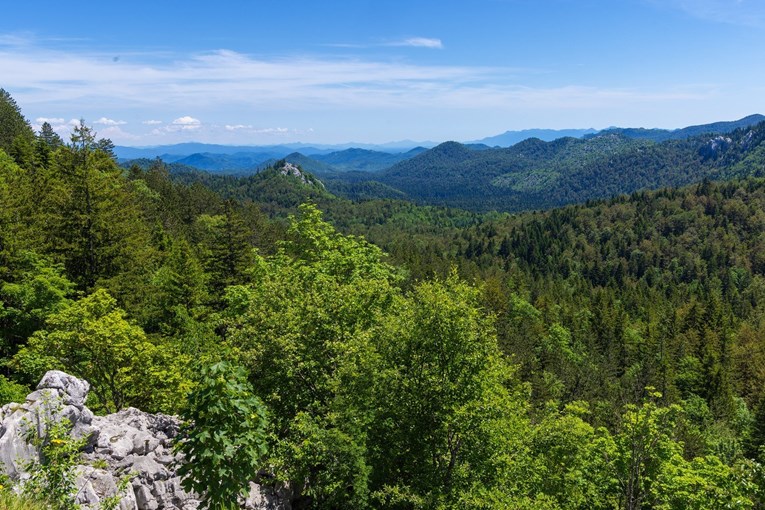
224, 437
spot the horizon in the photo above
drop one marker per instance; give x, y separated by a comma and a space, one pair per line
150, 75
411, 144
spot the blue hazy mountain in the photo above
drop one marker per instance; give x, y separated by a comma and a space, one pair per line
661, 135
509, 138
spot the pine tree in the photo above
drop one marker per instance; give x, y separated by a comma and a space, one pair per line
12, 122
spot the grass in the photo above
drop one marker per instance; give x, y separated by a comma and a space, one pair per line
11, 501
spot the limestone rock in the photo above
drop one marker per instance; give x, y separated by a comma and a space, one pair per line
129, 443
73, 391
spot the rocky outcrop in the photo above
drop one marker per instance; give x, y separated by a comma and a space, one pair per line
288, 169
129, 443
714, 147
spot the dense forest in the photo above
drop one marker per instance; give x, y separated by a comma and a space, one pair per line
608, 354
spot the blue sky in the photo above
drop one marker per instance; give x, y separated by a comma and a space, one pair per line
268, 71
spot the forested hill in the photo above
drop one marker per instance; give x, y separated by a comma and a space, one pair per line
534, 174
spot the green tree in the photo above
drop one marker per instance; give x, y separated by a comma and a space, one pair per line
177, 291
303, 329
12, 232
92, 339
39, 290
92, 219
567, 464
451, 425
227, 248
223, 439
13, 125
700, 484
47, 142
637, 454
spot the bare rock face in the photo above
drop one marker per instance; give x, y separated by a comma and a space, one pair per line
289, 169
129, 443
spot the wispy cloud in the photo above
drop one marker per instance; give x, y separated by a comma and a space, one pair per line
419, 42
412, 42
749, 13
229, 90
228, 78
273, 131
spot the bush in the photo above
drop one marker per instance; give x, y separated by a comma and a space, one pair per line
223, 438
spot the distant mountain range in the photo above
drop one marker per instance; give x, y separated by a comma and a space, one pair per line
661, 135
531, 174
509, 138
175, 152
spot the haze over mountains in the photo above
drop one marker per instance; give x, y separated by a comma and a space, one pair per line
370, 157
531, 174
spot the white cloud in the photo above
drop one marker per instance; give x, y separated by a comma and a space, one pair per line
116, 133
152, 122
187, 121
15, 39
109, 122
419, 42
49, 120
58, 124
236, 127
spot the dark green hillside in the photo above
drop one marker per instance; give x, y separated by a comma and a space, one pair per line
363, 160
274, 192
309, 164
534, 174
172, 168
237, 163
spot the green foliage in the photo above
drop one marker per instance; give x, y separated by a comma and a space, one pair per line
39, 290
93, 222
569, 467
92, 339
11, 391
177, 292
223, 439
11, 501
303, 329
451, 419
227, 248
641, 448
390, 382
700, 484
13, 125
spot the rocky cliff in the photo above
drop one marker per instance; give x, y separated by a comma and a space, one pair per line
129, 443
